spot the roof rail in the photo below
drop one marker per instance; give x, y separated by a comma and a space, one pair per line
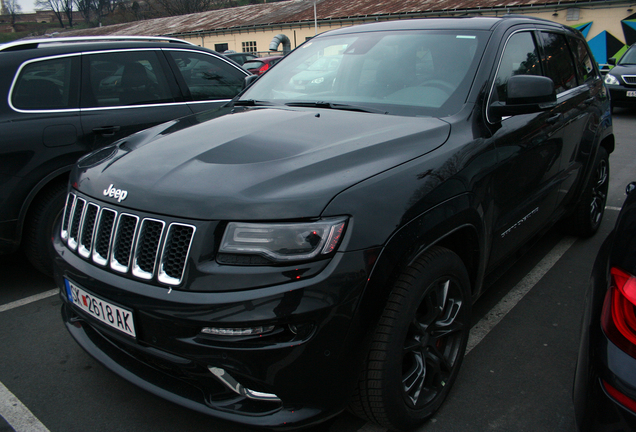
74, 39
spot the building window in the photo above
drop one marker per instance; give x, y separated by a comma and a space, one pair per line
249, 46
222, 47
573, 14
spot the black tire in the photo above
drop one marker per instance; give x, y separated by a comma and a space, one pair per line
39, 226
589, 211
418, 346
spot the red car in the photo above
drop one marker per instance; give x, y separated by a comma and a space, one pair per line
261, 65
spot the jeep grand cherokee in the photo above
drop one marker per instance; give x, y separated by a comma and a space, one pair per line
297, 252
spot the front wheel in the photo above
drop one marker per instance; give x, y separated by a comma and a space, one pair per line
418, 345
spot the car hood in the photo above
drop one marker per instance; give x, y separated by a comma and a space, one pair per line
255, 164
623, 69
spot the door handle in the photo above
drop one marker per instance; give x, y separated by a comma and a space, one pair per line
554, 119
589, 101
106, 130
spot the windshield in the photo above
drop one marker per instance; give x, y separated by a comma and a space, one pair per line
629, 58
397, 72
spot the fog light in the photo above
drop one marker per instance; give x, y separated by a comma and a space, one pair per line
250, 331
238, 388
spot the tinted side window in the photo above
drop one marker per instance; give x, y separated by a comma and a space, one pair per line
47, 84
125, 78
520, 57
584, 60
207, 77
560, 66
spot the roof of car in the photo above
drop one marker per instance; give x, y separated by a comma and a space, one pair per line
24, 44
457, 23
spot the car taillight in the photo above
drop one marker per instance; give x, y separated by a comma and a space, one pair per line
263, 68
619, 311
621, 398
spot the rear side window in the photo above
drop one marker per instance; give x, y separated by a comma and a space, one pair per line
584, 60
125, 78
520, 57
207, 77
560, 65
47, 84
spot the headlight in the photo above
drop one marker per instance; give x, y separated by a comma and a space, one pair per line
611, 79
284, 241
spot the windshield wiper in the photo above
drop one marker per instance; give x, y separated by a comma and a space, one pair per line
251, 102
336, 106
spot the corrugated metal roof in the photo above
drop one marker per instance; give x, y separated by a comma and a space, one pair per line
294, 11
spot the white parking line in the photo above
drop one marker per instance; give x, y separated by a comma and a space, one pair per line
27, 300
17, 415
514, 296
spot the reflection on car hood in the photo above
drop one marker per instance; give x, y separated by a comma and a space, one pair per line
263, 163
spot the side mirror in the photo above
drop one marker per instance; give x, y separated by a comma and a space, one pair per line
612, 61
526, 94
249, 80
630, 188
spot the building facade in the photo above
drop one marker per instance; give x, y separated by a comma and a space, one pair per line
608, 25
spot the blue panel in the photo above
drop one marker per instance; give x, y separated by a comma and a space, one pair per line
585, 28
598, 45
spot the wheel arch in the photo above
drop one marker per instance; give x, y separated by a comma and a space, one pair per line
454, 225
609, 143
60, 175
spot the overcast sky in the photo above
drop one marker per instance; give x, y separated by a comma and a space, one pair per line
27, 5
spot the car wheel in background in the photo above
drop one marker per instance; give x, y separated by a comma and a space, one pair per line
39, 226
588, 214
419, 343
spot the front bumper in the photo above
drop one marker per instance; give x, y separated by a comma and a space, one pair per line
619, 95
281, 379
597, 410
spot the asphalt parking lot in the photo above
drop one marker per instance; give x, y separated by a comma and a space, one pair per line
516, 377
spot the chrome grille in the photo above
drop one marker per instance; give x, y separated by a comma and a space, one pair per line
629, 79
125, 242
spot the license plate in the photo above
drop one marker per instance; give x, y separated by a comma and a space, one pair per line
114, 316
631, 93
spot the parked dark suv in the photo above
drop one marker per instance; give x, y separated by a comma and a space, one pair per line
298, 252
62, 98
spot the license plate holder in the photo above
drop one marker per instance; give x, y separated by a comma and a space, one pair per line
104, 311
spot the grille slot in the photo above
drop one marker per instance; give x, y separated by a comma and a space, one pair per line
175, 252
68, 208
103, 235
125, 242
76, 220
147, 248
86, 233
629, 79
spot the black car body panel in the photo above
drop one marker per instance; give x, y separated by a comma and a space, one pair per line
605, 375
168, 224
245, 165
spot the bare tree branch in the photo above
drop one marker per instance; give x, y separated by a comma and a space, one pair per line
12, 9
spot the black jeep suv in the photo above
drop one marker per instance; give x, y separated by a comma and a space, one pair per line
297, 252
64, 97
